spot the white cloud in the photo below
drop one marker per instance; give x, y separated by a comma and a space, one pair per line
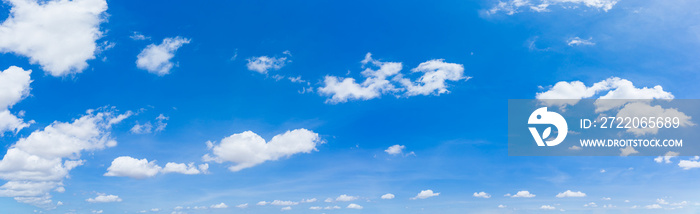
248, 149
14, 86
331, 208
219, 206
377, 82
388, 196
576, 41
286, 208
309, 200
425, 194
156, 58
315, 208
283, 203
395, 149
619, 93
511, 7
242, 206
147, 128
640, 108
126, 166
502, 206
653, 206
104, 198
547, 207
354, 206
346, 198
570, 193
328, 200
690, 164
661, 201
58, 35
138, 36
482, 195
38, 163
626, 152
435, 73
666, 158
575, 148
523, 194
263, 64
592, 204
262, 203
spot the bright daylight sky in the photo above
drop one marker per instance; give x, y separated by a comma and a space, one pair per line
328, 106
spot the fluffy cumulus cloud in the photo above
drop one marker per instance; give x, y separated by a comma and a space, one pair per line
385, 77
126, 166
666, 158
690, 164
511, 7
642, 108
156, 58
570, 193
38, 163
425, 194
56, 34
522, 194
104, 198
248, 149
388, 196
395, 149
354, 206
547, 207
263, 64
619, 92
481, 195
14, 86
346, 198
576, 41
221, 205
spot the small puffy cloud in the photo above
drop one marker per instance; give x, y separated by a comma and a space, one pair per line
242, 206
666, 158
283, 203
570, 193
547, 207
690, 164
608, 198
37, 164
502, 206
481, 195
592, 204
263, 64
433, 81
328, 200
385, 77
354, 206
346, 198
661, 201
425, 194
58, 35
262, 203
219, 206
248, 149
146, 128
126, 166
315, 208
576, 41
104, 198
523, 194
156, 58
14, 86
395, 149
575, 148
511, 7
309, 200
653, 206
627, 151
286, 208
138, 36
388, 196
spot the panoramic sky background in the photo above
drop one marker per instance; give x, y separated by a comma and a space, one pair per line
328, 106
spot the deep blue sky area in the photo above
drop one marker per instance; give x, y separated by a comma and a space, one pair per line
452, 143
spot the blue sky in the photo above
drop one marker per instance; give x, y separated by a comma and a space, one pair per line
163, 78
